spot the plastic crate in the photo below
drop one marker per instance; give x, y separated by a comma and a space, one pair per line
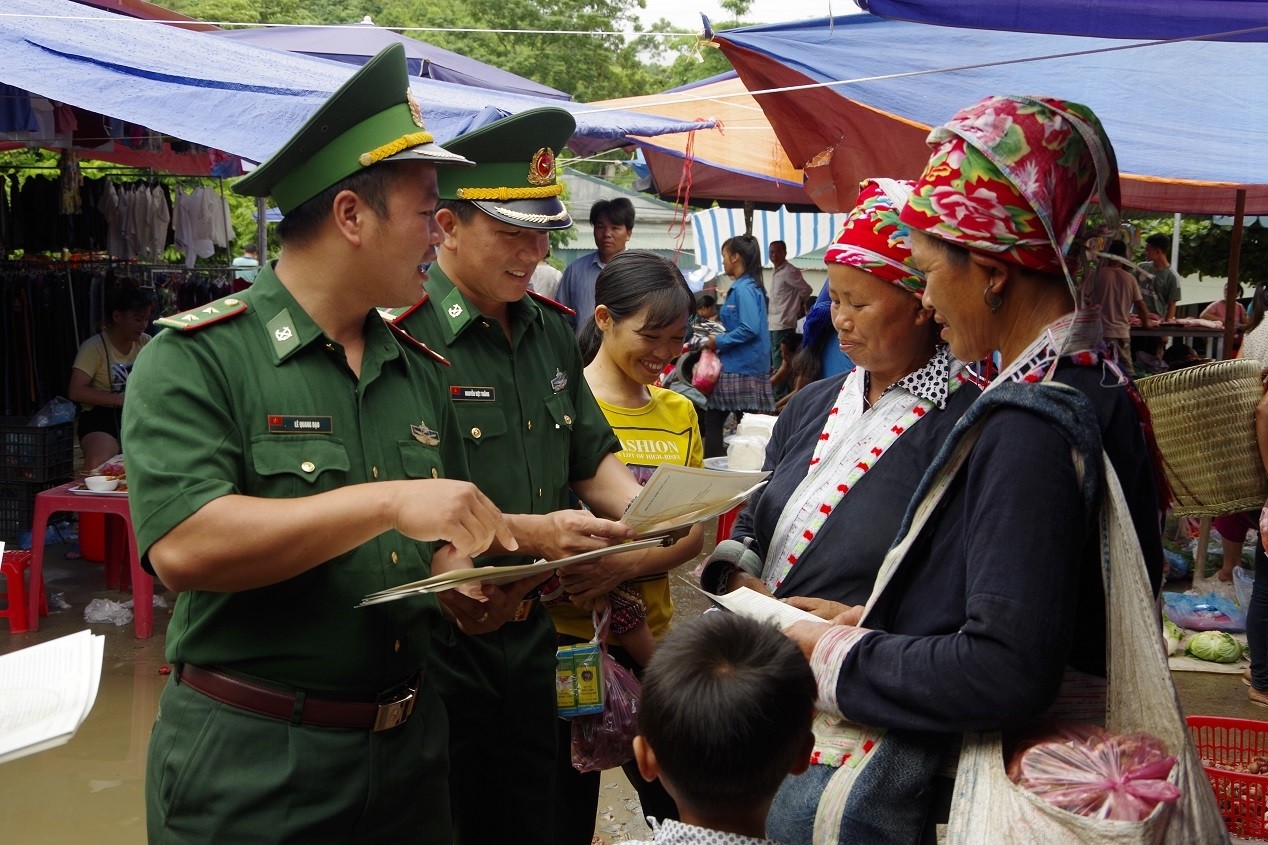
17, 505
1241, 796
35, 453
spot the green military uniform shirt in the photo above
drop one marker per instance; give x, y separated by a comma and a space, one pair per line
264, 404
527, 416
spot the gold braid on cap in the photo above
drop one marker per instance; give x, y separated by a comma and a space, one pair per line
404, 142
508, 194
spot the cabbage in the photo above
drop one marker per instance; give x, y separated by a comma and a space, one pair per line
1215, 646
1172, 635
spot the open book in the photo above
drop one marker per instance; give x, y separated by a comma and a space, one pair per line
498, 574
677, 497
46, 692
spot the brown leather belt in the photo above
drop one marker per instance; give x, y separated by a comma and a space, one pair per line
286, 705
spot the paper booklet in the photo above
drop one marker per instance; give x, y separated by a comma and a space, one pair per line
46, 692
677, 497
754, 605
499, 574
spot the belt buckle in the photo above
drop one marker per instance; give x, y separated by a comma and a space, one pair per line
393, 713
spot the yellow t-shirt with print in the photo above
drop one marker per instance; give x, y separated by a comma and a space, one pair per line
664, 431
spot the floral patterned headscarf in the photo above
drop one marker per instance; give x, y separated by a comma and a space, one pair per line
874, 240
1013, 176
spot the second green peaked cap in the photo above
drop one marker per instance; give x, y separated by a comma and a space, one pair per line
514, 179
373, 117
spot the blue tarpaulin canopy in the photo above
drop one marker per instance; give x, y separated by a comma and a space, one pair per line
1230, 20
358, 43
1185, 118
239, 98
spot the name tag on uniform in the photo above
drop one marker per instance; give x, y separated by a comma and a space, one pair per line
459, 393
285, 424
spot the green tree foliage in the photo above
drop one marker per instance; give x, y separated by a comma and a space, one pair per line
1204, 247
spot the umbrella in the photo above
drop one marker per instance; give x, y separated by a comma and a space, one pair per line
739, 160
360, 42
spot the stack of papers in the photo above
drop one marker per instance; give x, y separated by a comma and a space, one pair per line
46, 692
674, 498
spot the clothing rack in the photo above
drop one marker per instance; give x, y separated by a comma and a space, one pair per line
48, 308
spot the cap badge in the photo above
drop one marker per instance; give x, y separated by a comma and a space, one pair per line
541, 171
415, 111
423, 434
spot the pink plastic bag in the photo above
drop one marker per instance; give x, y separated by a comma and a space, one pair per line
1111, 777
704, 376
606, 740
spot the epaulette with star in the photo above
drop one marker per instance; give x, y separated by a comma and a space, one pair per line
558, 306
204, 315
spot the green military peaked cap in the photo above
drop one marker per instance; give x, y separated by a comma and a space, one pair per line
373, 117
514, 180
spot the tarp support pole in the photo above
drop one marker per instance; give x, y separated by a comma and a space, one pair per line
748, 218
261, 229
1234, 262
1175, 245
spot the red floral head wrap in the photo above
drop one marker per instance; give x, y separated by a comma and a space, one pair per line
1013, 176
874, 240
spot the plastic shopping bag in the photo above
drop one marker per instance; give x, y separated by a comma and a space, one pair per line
1211, 612
606, 740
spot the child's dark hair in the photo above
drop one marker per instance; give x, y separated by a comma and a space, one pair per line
125, 294
726, 708
631, 281
790, 341
704, 300
749, 251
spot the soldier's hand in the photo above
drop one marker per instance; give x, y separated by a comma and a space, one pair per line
568, 532
443, 509
483, 608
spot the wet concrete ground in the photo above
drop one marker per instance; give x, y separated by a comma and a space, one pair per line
91, 789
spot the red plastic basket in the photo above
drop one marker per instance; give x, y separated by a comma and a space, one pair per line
1241, 796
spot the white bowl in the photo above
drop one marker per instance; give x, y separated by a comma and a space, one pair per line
100, 484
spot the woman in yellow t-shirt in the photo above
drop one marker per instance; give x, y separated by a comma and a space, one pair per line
638, 326
101, 369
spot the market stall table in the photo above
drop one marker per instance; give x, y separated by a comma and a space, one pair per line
1216, 353
73, 498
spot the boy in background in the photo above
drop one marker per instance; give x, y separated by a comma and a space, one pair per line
724, 717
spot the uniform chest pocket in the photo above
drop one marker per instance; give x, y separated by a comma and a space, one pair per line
419, 460
298, 465
480, 422
561, 411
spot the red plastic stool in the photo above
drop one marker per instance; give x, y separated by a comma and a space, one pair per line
726, 521
13, 566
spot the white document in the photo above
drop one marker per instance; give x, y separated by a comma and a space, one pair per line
46, 692
498, 574
678, 497
763, 608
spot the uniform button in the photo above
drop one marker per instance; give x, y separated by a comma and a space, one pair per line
308, 466
475, 432
374, 471
567, 420
396, 646
231, 302
530, 425
395, 558
435, 473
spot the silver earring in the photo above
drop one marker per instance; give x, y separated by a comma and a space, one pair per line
993, 300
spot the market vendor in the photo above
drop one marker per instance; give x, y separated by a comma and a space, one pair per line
292, 453
99, 376
1001, 592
